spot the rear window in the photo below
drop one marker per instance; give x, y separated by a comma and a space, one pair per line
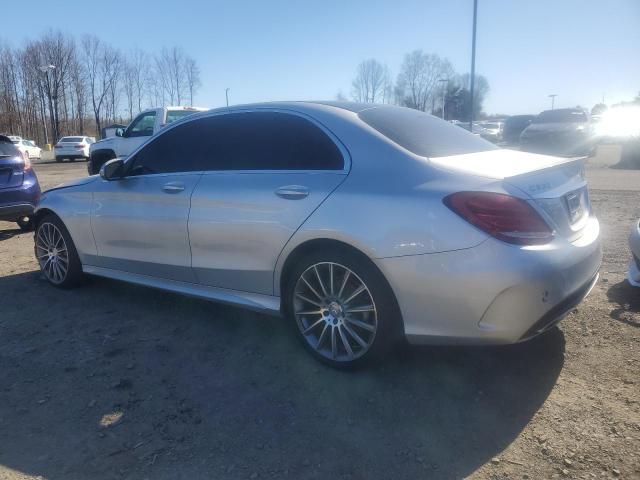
72, 139
8, 150
423, 134
561, 116
173, 115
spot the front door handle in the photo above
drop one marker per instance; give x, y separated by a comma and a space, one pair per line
173, 187
292, 192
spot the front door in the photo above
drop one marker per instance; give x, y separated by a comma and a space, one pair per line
140, 221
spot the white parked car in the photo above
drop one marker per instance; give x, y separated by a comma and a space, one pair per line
27, 148
144, 126
72, 148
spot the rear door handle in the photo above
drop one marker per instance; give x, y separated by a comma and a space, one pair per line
173, 187
292, 192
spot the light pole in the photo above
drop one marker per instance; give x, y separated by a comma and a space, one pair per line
444, 82
226, 94
473, 62
553, 99
45, 69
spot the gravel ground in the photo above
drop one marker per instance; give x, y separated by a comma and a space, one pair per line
118, 381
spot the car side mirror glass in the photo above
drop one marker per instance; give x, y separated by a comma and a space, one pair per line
113, 169
119, 132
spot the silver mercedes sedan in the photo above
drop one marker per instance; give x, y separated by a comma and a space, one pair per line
361, 224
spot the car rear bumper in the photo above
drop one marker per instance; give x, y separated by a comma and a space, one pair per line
493, 293
11, 213
20, 201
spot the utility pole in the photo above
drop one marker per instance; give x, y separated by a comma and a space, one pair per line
473, 62
553, 100
444, 82
226, 94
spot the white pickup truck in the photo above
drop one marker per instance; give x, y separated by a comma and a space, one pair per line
145, 125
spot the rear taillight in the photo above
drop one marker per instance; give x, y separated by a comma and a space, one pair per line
504, 217
27, 161
79, 146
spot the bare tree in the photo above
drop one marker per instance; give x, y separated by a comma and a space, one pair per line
418, 79
192, 76
101, 69
372, 82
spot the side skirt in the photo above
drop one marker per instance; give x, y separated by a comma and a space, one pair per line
254, 301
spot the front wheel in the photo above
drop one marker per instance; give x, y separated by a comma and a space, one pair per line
343, 308
56, 253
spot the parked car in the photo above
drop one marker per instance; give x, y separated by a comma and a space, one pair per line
514, 126
491, 131
73, 148
347, 218
28, 148
19, 188
144, 126
564, 131
634, 245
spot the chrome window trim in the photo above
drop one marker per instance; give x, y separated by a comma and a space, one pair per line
346, 156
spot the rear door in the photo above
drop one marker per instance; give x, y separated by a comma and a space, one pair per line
266, 171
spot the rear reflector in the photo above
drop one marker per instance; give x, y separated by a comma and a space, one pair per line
504, 217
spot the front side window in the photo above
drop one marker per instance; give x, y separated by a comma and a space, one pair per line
168, 153
142, 126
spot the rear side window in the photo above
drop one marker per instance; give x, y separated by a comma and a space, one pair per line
423, 134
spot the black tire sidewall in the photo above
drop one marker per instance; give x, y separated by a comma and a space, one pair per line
389, 319
74, 274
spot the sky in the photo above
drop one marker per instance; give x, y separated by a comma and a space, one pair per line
581, 50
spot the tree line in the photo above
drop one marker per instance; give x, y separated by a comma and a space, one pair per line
425, 82
57, 85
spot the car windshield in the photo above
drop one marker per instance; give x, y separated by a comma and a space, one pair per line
71, 139
173, 115
561, 116
423, 134
491, 125
8, 150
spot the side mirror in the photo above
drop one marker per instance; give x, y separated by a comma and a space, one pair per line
113, 169
119, 132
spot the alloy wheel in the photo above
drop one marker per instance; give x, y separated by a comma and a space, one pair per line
335, 311
52, 253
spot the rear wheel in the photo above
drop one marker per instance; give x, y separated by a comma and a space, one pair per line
343, 308
56, 253
59, 159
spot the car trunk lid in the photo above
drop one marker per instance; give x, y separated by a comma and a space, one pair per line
11, 171
554, 186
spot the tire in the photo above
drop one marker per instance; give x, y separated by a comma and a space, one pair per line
59, 159
52, 241
338, 326
97, 160
25, 223
72, 159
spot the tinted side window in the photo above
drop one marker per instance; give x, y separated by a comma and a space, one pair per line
175, 150
265, 141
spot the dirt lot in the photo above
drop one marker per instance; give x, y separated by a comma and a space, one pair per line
119, 381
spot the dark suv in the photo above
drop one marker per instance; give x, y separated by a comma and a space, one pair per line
19, 188
564, 131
